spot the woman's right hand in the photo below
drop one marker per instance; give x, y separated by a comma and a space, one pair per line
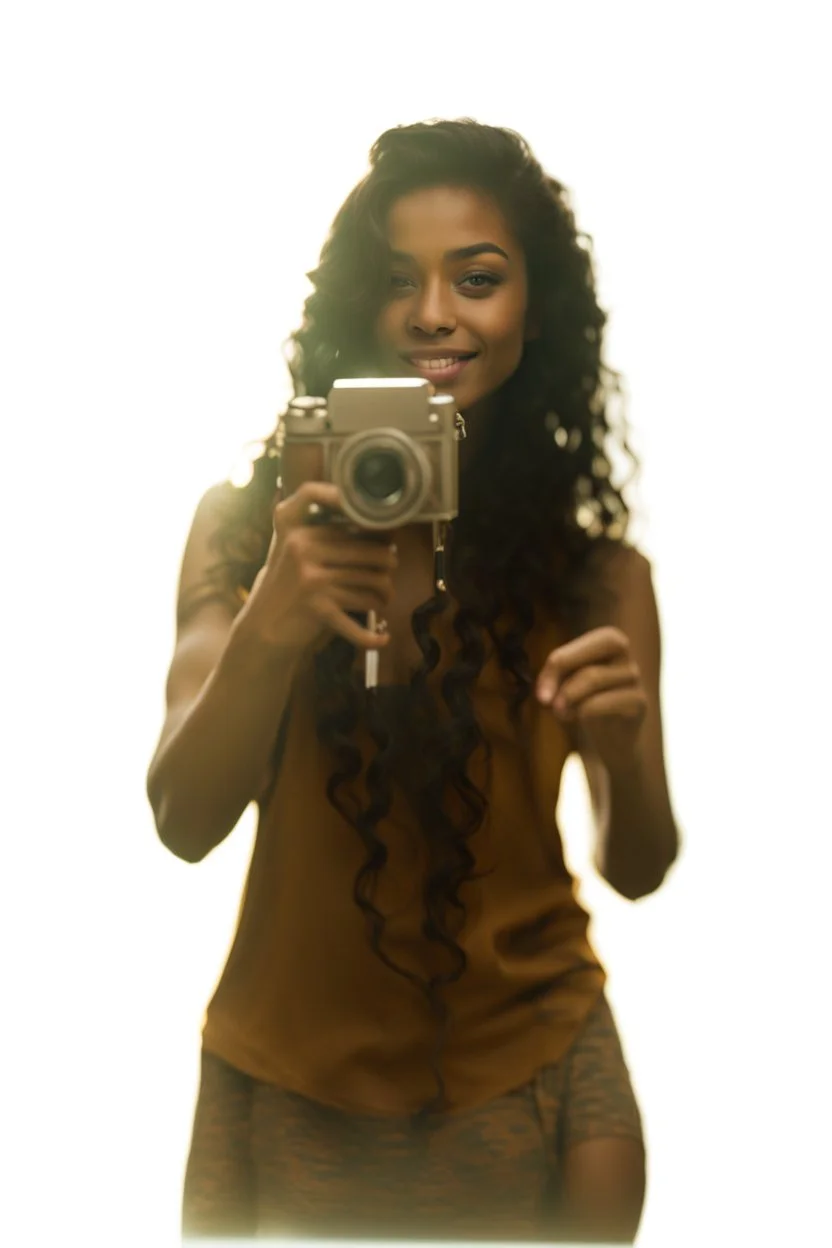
315, 574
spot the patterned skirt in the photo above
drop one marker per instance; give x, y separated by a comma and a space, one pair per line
266, 1162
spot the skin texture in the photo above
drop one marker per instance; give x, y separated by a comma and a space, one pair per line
478, 303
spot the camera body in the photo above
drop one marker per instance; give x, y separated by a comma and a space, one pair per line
390, 445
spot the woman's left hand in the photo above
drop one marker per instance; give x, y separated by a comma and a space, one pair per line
593, 683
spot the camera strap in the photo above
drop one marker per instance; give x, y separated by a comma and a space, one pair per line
440, 532
440, 527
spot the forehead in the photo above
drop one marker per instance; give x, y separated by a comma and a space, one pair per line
442, 218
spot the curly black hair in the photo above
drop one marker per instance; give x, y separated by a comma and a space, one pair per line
513, 555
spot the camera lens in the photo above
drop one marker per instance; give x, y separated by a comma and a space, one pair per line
384, 477
379, 475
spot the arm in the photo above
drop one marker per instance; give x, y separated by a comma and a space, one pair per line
604, 686
233, 667
637, 836
226, 694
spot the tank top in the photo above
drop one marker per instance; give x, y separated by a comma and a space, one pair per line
305, 1003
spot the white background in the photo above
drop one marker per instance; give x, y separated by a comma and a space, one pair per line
169, 172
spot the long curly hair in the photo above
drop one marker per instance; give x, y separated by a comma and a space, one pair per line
515, 555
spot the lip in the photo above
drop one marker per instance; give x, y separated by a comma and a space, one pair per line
440, 376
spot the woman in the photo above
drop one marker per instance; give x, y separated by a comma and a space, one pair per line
410, 1036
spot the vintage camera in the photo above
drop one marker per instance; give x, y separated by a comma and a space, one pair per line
390, 445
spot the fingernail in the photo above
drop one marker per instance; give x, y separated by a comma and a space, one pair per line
545, 690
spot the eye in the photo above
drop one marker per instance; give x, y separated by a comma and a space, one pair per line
481, 281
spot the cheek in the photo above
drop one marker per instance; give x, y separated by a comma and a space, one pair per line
508, 337
507, 316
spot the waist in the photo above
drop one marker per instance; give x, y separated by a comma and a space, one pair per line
359, 1061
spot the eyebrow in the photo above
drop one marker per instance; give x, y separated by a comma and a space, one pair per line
460, 253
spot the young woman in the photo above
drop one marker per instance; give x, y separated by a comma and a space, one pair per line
410, 1036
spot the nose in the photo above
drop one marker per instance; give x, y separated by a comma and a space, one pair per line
432, 310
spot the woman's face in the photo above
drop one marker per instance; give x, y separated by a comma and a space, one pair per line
458, 289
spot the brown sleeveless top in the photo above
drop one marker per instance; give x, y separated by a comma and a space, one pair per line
305, 1003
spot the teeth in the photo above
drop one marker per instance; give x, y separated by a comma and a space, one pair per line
447, 363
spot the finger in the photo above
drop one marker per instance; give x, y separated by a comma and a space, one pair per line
621, 703
375, 587
340, 622
294, 510
369, 594
599, 646
353, 598
593, 680
355, 554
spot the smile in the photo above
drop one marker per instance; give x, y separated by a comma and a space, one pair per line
439, 370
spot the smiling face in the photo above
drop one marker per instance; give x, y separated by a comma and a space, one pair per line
456, 312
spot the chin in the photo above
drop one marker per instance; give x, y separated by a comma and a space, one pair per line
474, 400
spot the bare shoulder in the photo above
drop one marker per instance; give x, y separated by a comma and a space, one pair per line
206, 606
198, 578
211, 513
617, 583
618, 563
